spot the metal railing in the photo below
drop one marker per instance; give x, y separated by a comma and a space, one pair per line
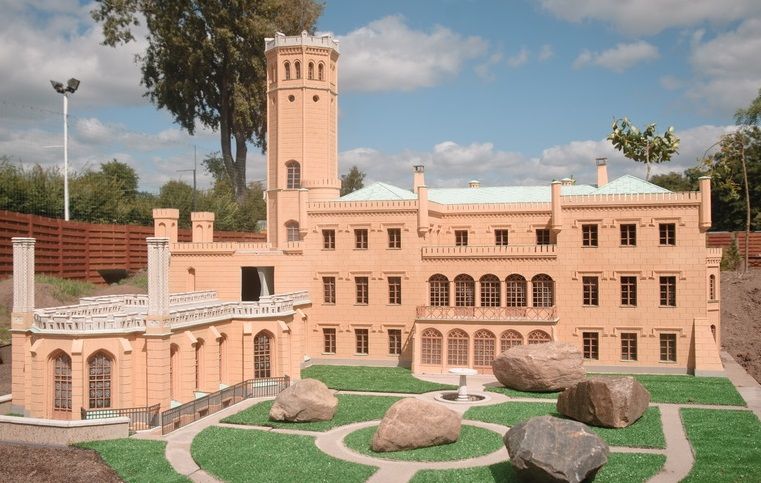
486, 313
192, 411
139, 418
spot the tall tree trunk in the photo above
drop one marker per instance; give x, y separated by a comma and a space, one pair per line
239, 181
747, 204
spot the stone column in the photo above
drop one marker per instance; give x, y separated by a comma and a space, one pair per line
705, 202
157, 332
22, 317
557, 219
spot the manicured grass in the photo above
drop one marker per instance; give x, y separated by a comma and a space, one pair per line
250, 455
727, 445
647, 432
351, 409
136, 460
473, 442
664, 389
372, 379
631, 468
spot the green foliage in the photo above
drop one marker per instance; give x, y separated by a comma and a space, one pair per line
373, 379
136, 460
351, 409
240, 455
65, 288
751, 115
473, 442
644, 145
673, 181
352, 181
730, 258
727, 444
205, 63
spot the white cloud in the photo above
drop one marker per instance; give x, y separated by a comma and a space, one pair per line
388, 55
546, 53
648, 17
518, 59
671, 83
620, 57
484, 69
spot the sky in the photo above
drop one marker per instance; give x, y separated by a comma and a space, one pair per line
515, 92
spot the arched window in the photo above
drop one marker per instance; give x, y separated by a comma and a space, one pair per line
457, 348
61, 383
99, 381
543, 291
174, 372
464, 291
712, 287
509, 338
484, 347
490, 291
320, 71
439, 290
199, 364
222, 363
297, 68
516, 291
191, 282
310, 70
263, 355
430, 347
287, 66
292, 231
293, 180
273, 73
538, 337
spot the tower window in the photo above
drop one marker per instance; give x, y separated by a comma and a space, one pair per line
292, 229
294, 175
321, 71
297, 68
287, 66
310, 71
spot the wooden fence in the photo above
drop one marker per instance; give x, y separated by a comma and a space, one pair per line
72, 249
723, 239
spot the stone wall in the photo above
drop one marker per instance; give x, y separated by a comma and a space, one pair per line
51, 431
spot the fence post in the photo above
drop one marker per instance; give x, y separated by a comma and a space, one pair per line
59, 229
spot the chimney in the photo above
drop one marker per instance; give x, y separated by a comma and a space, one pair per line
165, 223
203, 226
474, 184
567, 182
705, 202
602, 172
418, 179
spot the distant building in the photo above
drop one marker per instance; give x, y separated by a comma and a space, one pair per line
423, 277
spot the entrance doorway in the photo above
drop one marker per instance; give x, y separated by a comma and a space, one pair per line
262, 355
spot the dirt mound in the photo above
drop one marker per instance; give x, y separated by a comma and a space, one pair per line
740, 324
24, 463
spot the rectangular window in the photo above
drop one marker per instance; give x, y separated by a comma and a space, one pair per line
362, 338
461, 238
668, 347
395, 290
591, 291
329, 239
329, 290
629, 291
629, 235
589, 235
667, 232
394, 342
362, 290
543, 236
360, 239
628, 346
329, 341
500, 238
395, 238
591, 345
668, 291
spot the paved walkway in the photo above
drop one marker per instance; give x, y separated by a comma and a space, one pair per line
678, 452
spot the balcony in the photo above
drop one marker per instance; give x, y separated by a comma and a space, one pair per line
512, 314
493, 252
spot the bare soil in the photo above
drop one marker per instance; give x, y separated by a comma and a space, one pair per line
741, 319
46, 464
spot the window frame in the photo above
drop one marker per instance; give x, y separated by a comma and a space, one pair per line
501, 237
329, 290
362, 290
590, 345
328, 239
590, 235
590, 291
461, 238
667, 234
667, 290
329, 340
394, 290
394, 238
628, 290
628, 234
361, 236
543, 236
629, 346
394, 342
362, 341
667, 352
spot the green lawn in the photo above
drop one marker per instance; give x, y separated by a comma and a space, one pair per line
137, 460
351, 409
373, 379
621, 467
727, 445
249, 455
647, 432
473, 442
674, 389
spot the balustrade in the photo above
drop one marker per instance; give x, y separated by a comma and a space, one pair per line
486, 313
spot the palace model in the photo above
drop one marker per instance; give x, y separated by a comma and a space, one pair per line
422, 277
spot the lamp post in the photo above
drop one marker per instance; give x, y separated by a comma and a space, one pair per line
70, 88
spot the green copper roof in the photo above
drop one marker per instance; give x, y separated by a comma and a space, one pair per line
626, 184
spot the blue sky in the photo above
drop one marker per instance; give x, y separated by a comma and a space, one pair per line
516, 92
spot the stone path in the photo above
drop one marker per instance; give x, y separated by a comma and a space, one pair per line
678, 452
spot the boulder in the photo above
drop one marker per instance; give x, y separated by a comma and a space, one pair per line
611, 402
539, 367
549, 449
411, 423
306, 400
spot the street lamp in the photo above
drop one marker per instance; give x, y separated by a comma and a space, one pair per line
70, 88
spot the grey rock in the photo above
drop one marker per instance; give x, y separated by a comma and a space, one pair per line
306, 400
539, 367
411, 423
611, 402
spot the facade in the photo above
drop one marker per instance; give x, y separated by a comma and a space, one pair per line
421, 277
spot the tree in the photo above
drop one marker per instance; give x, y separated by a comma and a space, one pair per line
205, 62
352, 181
643, 146
123, 175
